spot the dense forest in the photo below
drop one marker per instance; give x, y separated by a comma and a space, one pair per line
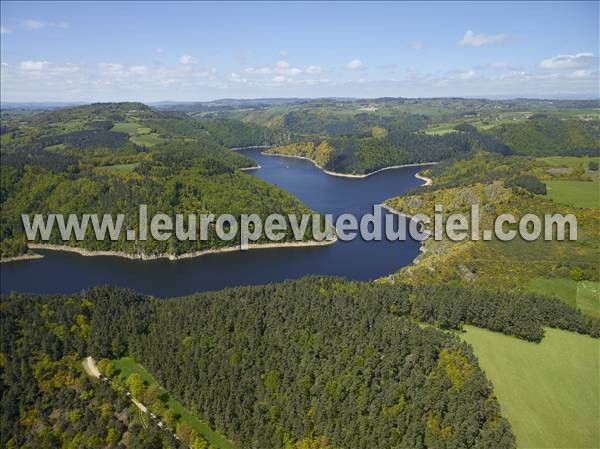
386, 147
318, 362
545, 136
365, 135
359, 155
47, 399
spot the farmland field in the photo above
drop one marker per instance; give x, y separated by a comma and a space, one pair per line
126, 127
585, 194
147, 140
120, 167
570, 161
579, 163
582, 294
550, 392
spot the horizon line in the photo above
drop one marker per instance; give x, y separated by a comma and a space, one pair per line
339, 98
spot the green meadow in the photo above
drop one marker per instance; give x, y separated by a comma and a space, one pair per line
57, 147
138, 134
584, 295
120, 167
128, 365
585, 194
549, 391
143, 130
576, 162
442, 129
126, 127
147, 140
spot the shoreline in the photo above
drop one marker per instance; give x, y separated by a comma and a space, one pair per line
172, 257
422, 249
145, 257
256, 167
251, 147
428, 181
28, 256
348, 175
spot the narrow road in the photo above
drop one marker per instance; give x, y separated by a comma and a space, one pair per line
89, 365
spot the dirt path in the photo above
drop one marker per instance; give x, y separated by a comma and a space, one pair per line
89, 365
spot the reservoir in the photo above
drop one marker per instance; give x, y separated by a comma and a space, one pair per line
64, 272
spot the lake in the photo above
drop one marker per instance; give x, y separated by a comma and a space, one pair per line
63, 272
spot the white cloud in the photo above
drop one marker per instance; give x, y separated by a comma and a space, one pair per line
282, 70
582, 74
285, 68
576, 61
4, 30
258, 70
293, 71
188, 60
477, 40
159, 51
283, 54
417, 45
46, 80
235, 78
112, 68
467, 75
44, 70
354, 64
33, 66
138, 69
33, 24
499, 65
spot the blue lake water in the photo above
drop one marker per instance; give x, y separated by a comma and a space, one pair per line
63, 272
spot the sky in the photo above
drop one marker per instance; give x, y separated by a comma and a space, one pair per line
187, 51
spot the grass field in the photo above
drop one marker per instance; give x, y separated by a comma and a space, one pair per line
126, 127
550, 392
440, 130
578, 163
585, 194
147, 140
143, 130
120, 167
138, 134
570, 161
127, 366
582, 294
57, 147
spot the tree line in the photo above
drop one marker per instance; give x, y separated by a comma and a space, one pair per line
317, 361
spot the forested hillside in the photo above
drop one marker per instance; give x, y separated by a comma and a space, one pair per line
47, 399
361, 137
516, 185
110, 158
359, 155
319, 362
120, 155
546, 136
